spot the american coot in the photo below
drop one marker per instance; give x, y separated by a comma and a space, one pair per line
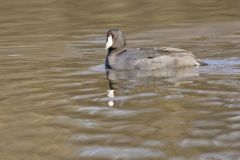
121, 58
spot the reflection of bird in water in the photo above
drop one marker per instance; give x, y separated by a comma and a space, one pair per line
111, 96
131, 79
121, 81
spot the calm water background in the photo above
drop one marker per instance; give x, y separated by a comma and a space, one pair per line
53, 99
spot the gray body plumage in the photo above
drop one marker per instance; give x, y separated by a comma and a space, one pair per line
121, 58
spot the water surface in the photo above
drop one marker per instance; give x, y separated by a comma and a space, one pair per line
54, 102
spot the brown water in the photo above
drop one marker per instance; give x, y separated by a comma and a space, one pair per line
54, 102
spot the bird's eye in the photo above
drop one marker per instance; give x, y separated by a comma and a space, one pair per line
110, 34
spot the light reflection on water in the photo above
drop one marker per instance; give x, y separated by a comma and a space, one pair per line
54, 99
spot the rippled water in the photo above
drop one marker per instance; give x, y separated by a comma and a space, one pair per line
54, 100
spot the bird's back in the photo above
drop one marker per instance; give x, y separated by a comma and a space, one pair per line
153, 58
